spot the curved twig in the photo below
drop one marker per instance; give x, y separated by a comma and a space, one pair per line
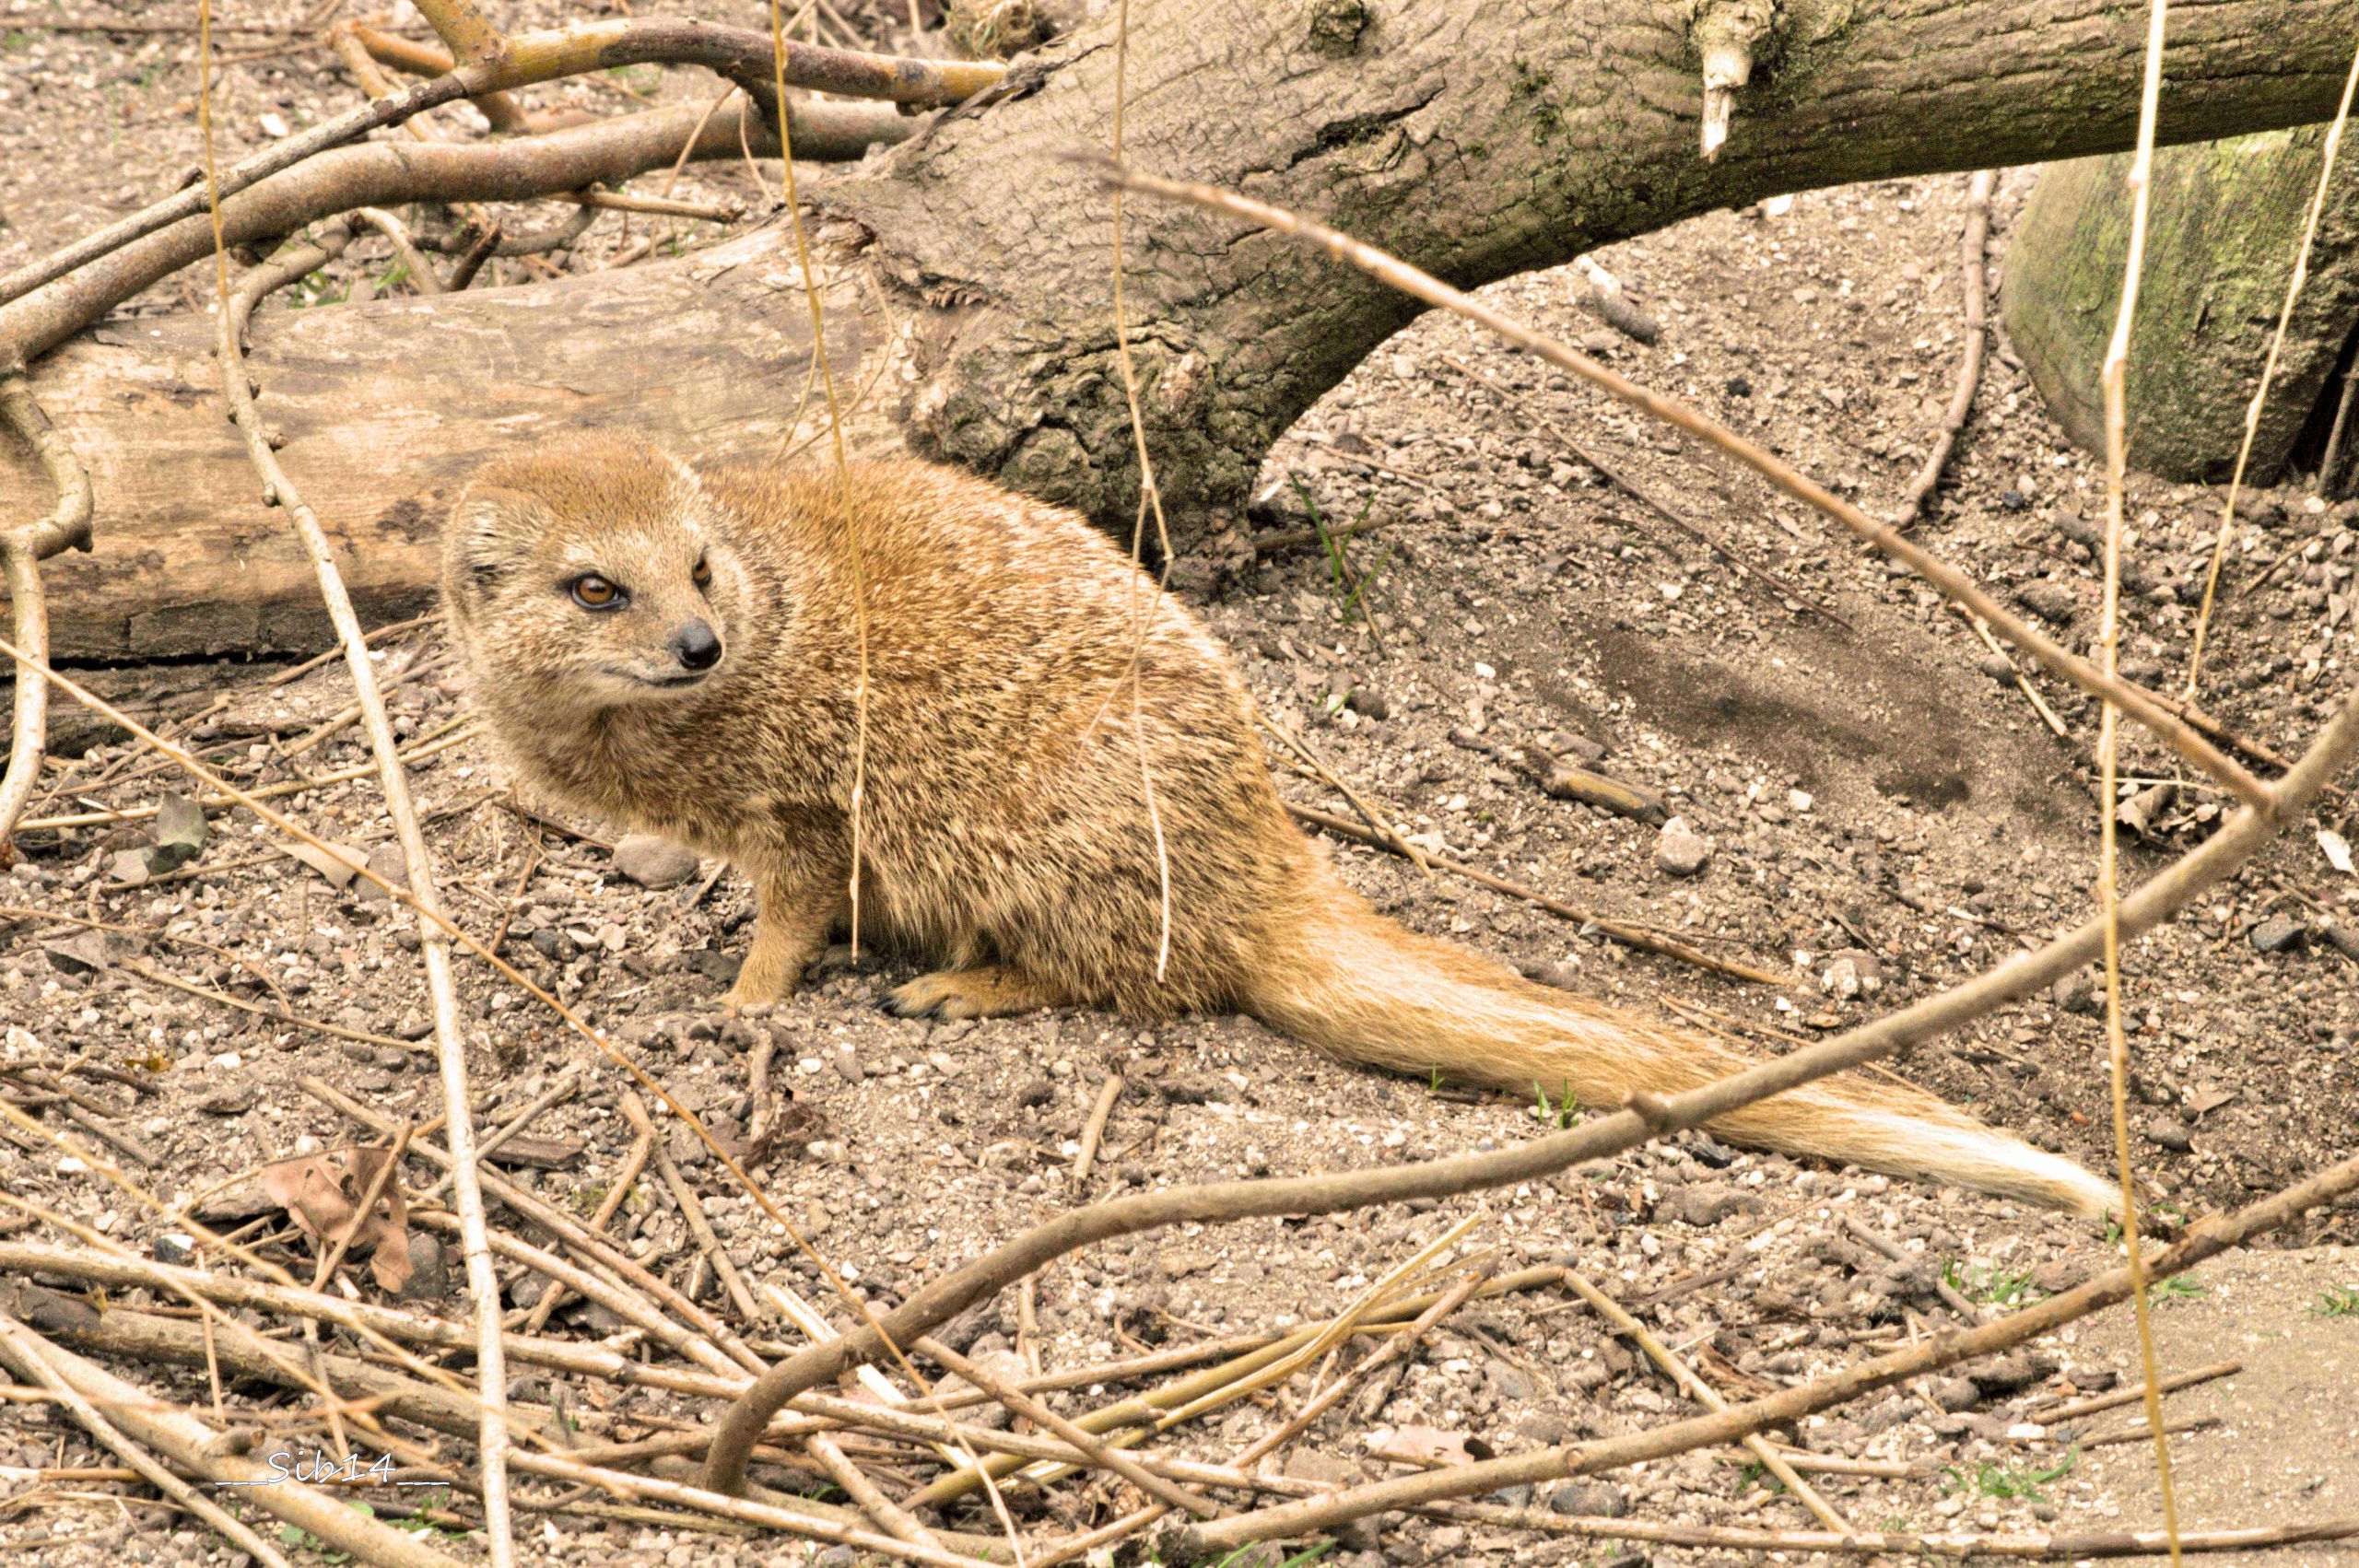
1969, 369
21, 551
422, 274
386, 174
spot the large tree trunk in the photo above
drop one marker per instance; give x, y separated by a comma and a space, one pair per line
1476, 141
2227, 221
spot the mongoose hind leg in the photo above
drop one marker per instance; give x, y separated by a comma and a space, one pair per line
796, 910
986, 990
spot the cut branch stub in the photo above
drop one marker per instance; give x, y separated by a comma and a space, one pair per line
1732, 35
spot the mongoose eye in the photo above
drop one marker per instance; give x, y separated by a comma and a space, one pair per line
702, 573
595, 592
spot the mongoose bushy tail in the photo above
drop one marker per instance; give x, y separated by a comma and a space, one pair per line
1343, 978
674, 652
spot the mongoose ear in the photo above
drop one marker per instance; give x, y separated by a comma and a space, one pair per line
486, 532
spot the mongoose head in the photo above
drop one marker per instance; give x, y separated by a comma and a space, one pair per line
593, 572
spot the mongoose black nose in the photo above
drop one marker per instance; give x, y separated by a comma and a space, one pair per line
695, 645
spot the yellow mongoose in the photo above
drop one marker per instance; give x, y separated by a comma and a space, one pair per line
676, 653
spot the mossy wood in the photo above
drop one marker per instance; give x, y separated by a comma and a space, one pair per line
2225, 224
1475, 141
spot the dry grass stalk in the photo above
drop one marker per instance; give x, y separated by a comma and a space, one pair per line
2268, 374
1391, 1352
2115, 377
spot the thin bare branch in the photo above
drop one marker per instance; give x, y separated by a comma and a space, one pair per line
1969, 369
536, 57
483, 1283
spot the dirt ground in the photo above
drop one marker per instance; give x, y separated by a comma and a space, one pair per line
1886, 812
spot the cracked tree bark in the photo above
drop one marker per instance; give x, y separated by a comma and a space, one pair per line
1473, 141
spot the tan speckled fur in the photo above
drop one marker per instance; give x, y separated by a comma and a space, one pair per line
1005, 830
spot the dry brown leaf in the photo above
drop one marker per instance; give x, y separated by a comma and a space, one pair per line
323, 1193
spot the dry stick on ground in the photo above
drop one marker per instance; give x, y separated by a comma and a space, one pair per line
563, 1089
2047, 714
1095, 1129
1100, 1453
617, 201
142, 1464
422, 276
619, 1189
2204, 1240
1620, 478
530, 58
2110, 1543
1388, 269
1165, 1408
2268, 366
2114, 376
1969, 369
196, 1448
150, 1338
1623, 931
1392, 837
140, 1460
21, 551
948, 1294
2121, 1396
1707, 1395
416, 858
2143, 1432
692, 1212
384, 174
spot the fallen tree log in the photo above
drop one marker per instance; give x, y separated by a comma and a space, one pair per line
970, 291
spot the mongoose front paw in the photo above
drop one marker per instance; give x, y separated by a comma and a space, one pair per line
758, 994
